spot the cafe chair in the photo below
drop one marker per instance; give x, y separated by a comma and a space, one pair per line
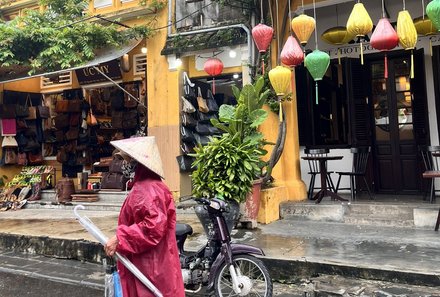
314, 169
359, 169
431, 161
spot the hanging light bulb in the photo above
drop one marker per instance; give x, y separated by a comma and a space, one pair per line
232, 54
144, 50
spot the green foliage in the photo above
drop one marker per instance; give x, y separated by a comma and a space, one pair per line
2, 180
227, 166
57, 38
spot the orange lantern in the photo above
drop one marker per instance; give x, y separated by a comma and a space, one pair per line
359, 24
303, 26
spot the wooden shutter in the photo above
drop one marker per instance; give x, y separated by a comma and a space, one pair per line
360, 114
436, 74
304, 106
419, 104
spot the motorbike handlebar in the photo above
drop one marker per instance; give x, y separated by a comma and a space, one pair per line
214, 203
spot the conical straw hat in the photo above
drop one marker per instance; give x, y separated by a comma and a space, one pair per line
144, 150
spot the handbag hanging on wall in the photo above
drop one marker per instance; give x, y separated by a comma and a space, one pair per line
8, 127
210, 101
91, 120
43, 110
203, 107
32, 109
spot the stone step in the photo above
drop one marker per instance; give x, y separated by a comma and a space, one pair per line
71, 205
378, 221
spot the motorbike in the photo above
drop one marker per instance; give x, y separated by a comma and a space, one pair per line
222, 267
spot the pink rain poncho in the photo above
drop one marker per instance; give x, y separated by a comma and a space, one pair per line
146, 234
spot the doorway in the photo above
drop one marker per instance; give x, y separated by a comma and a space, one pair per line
399, 123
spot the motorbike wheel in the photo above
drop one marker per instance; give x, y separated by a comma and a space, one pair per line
254, 279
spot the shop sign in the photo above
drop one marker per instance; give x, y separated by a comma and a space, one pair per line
89, 75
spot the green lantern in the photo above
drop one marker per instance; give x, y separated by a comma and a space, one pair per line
317, 63
433, 12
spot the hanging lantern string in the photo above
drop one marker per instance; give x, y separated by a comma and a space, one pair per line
316, 34
278, 34
423, 9
290, 18
404, 5
261, 11
383, 9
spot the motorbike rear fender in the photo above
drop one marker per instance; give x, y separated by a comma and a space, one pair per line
237, 249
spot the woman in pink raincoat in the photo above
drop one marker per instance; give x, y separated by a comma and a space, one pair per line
147, 222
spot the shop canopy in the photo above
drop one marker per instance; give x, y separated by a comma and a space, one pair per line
18, 72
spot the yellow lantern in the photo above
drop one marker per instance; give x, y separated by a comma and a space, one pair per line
425, 27
359, 24
407, 34
303, 26
280, 78
337, 36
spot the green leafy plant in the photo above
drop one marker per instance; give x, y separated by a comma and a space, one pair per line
227, 166
3, 179
60, 36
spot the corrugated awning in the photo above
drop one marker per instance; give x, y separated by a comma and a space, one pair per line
17, 72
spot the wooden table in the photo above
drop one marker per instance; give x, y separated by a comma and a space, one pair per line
325, 190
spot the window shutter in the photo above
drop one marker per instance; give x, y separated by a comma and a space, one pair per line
360, 121
140, 64
420, 107
303, 104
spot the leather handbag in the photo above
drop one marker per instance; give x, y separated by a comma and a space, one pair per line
64, 190
59, 136
117, 99
203, 140
130, 119
113, 180
188, 87
187, 147
8, 127
129, 102
72, 134
74, 119
10, 156
116, 165
35, 158
117, 119
8, 111
185, 163
211, 103
9, 141
62, 106
206, 118
203, 129
187, 106
62, 155
91, 119
188, 120
203, 107
186, 134
21, 111
43, 111
74, 105
22, 159
62, 121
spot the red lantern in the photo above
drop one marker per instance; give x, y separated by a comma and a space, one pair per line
262, 35
384, 38
292, 54
213, 67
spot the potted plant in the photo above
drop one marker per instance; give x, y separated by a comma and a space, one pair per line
229, 165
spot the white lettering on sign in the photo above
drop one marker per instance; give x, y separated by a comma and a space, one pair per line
91, 71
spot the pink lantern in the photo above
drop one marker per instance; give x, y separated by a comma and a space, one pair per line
262, 35
213, 67
292, 54
384, 38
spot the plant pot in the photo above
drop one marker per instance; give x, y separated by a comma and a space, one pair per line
231, 217
249, 209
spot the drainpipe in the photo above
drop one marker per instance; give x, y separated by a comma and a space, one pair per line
170, 19
242, 26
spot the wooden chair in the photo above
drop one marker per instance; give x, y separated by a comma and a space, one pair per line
315, 170
359, 168
431, 160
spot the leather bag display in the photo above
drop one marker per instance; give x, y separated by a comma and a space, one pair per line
203, 107
22, 159
64, 190
203, 129
113, 180
32, 110
130, 119
74, 105
211, 103
117, 119
35, 158
72, 134
62, 106
188, 120
21, 111
117, 99
8, 111
74, 119
203, 140
187, 106
8, 127
116, 165
187, 148
43, 111
10, 156
185, 163
206, 118
186, 134
129, 102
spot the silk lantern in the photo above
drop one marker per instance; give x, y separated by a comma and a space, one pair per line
407, 34
425, 27
213, 67
433, 12
292, 54
280, 79
303, 26
262, 35
317, 63
337, 36
384, 38
359, 24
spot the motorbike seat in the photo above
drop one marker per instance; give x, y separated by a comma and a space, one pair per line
183, 229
